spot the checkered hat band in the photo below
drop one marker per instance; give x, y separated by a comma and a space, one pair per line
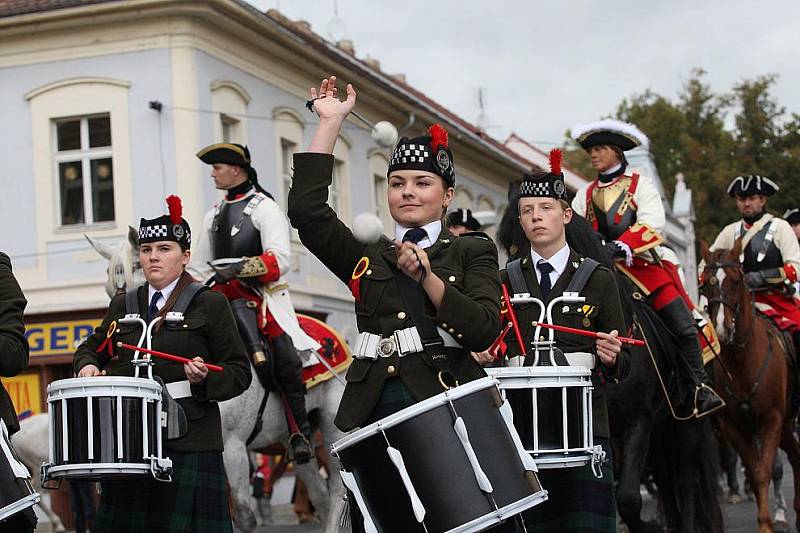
535, 188
152, 232
410, 153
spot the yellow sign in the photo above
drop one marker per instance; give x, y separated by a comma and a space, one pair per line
25, 392
59, 338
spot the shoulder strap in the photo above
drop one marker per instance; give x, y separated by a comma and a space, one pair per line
132, 301
516, 277
186, 296
582, 275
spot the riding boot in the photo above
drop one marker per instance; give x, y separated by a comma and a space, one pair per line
247, 324
288, 370
676, 316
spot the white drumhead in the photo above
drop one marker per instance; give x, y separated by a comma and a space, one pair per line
104, 386
413, 411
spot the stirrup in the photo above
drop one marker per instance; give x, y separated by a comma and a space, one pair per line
700, 414
304, 456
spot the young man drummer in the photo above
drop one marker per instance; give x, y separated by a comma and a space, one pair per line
577, 501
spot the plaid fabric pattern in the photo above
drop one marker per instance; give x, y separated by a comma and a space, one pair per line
577, 501
410, 153
151, 232
195, 501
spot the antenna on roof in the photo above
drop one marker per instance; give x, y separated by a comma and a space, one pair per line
336, 27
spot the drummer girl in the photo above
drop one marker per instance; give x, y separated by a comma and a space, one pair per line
454, 280
196, 499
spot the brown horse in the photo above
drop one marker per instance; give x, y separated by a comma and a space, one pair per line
752, 375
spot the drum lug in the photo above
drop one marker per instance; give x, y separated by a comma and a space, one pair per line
46, 481
598, 458
161, 469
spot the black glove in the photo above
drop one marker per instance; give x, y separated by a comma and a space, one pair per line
614, 251
225, 273
755, 279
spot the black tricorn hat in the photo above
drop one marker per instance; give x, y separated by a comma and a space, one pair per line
429, 153
228, 153
792, 216
609, 132
171, 227
743, 186
463, 217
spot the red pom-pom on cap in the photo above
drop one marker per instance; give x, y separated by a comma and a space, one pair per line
555, 161
175, 209
438, 137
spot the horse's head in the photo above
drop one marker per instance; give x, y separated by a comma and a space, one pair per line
123, 269
722, 285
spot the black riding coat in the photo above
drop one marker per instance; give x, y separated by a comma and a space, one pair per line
208, 331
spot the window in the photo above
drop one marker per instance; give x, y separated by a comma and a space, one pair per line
85, 171
229, 128
288, 148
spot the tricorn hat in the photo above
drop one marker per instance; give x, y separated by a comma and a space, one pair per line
611, 132
743, 186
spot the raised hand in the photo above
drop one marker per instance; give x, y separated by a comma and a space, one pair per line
327, 104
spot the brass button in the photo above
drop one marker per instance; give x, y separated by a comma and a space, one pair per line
451, 279
451, 330
391, 369
533, 323
401, 315
369, 272
185, 326
444, 325
541, 337
586, 322
565, 309
460, 336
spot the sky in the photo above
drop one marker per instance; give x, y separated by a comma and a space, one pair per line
546, 66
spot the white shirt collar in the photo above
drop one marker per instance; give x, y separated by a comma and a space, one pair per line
165, 292
612, 169
433, 229
558, 261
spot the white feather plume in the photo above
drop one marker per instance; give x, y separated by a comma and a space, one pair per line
625, 128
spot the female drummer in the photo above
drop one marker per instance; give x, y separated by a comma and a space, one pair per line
454, 280
196, 498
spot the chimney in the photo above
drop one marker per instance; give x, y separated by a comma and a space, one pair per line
346, 46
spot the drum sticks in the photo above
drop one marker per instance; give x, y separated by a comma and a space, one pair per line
585, 333
167, 356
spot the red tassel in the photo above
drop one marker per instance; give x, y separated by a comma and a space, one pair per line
438, 137
555, 161
175, 209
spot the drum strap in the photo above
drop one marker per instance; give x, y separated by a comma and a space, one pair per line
184, 299
132, 301
582, 275
517, 279
414, 300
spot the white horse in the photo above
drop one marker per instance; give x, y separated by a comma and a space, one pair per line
239, 416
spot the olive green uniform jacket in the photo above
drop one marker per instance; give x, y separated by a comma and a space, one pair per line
470, 310
602, 311
209, 331
14, 348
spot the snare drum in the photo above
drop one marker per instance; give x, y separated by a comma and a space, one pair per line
453, 462
552, 408
105, 427
16, 493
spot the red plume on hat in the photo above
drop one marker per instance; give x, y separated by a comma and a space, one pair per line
175, 209
438, 137
555, 161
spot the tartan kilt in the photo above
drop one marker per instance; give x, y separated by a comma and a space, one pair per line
195, 501
576, 500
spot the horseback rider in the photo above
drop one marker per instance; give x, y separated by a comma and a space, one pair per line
792, 216
245, 240
770, 252
626, 209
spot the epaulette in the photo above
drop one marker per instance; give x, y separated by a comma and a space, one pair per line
478, 234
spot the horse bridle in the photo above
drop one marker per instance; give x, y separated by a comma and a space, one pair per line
735, 309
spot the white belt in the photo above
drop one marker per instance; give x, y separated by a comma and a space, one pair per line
403, 342
179, 389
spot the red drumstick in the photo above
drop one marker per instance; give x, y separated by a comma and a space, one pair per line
167, 356
496, 344
513, 316
585, 333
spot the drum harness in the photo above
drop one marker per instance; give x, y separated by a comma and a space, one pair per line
579, 280
176, 422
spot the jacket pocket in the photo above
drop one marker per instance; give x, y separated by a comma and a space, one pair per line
373, 284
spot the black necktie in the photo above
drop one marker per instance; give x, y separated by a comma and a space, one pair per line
153, 309
415, 235
545, 268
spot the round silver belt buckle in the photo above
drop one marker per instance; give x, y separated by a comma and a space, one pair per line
386, 347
